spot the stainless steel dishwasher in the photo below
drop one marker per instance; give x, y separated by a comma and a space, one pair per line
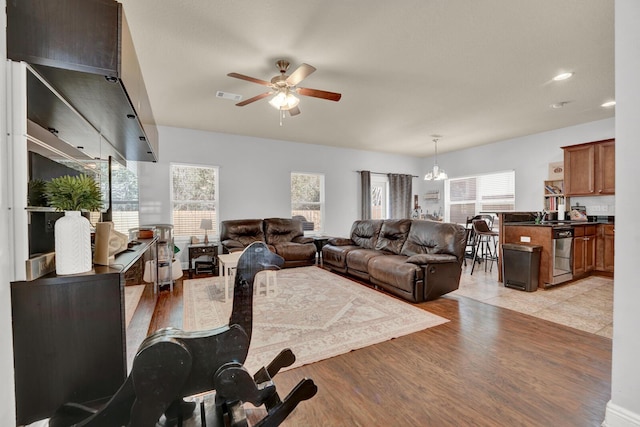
562, 254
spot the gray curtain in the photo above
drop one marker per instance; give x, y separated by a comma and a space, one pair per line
400, 195
365, 202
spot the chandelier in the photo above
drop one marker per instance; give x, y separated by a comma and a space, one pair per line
436, 174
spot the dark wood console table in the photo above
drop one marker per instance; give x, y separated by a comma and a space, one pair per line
197, 250
69, 337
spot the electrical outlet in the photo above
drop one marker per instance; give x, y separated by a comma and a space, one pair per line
525, 239
605, 208
595, 209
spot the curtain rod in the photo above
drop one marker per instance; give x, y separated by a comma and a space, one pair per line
382, 173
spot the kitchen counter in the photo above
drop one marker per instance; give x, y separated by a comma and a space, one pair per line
555, 223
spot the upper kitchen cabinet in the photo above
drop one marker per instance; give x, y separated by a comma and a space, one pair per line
606, 167
83, 52
589, 169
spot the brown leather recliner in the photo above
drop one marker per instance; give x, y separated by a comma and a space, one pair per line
413, 259
283, 236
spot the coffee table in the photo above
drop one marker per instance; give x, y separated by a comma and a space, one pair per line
228, 265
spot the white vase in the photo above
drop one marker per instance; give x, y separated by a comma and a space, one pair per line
73, 244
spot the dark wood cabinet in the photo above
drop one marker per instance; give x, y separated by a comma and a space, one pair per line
69, 341
84, 50
584, 250
69, 337
78, 35
606, 167
589, 169
579, 171
605, 250
197, 250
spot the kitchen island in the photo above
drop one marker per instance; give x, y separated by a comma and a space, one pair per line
569, 248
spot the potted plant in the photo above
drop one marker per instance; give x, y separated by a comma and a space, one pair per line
72, 232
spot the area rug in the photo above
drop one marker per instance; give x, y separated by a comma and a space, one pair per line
585, 304
313, 312
132, 296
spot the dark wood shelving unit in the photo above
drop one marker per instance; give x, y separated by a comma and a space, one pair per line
69, 337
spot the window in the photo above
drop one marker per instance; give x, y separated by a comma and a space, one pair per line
307, 200
124, 195
194, 191
379, 197
124, 198
468, 196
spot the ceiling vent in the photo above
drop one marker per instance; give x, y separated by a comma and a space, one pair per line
231, 96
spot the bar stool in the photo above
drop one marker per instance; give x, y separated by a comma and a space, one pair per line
484, 238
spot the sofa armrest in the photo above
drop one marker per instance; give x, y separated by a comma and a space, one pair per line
421, 259
340, 241
302, 239
232, 245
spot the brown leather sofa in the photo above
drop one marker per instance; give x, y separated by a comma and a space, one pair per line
413, 259
283, 236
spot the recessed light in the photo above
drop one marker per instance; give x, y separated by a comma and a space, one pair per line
608, 104
559, 104
562, 76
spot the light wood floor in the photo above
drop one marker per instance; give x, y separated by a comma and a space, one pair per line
488, 366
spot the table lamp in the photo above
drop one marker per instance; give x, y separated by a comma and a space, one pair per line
206, 224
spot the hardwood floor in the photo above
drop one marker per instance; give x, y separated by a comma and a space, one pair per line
488, 366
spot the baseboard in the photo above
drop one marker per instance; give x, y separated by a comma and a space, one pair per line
617, 416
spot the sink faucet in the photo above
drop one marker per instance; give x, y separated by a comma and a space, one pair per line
542, 216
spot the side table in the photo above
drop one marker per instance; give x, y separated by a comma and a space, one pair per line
197, 250
320, 241
228, 264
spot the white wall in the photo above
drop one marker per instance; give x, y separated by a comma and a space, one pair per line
255, 175
529, 156
624, 408
7, 402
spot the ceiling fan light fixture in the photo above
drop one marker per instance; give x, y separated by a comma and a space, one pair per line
563, 76
284, 100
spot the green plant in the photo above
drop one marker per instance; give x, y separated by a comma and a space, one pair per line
74, 193
36, 193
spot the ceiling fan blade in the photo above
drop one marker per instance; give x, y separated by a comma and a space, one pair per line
331, 96
294, 111
302, 72
249, 79
254, 99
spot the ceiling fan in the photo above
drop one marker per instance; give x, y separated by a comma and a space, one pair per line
284, 87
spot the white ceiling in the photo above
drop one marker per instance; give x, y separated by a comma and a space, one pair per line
473, 71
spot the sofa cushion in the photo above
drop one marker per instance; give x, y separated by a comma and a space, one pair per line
295, 251
358, 259
393, 234
430, 237
280, 230
364, 232
336, 256
395, 271
244, 231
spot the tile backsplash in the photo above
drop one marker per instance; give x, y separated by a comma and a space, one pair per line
596, 205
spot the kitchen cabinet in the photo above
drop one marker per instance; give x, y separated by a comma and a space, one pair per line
584, 250
589, 169
606, 167
605, 248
